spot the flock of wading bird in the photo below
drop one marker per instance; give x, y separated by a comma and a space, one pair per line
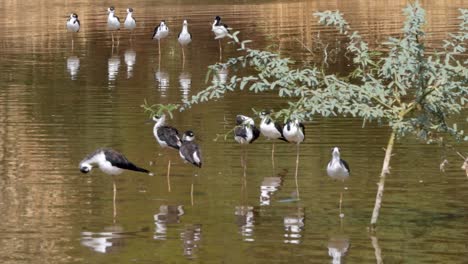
112, 162
161, 31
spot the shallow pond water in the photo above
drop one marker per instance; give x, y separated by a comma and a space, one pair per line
60, 102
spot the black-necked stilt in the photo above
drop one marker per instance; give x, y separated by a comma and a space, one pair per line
338, 169
110, 162
270, 129
166, 136
160, 32
294, 132
220, 30
184, 38
113, 23
189, 150
130, 21
245, 132
73, 25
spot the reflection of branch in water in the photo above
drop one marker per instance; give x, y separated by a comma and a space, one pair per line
378, 251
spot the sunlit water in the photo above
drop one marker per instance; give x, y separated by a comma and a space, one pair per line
58, 103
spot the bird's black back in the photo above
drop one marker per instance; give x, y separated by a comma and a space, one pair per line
120, 161
170, 135
187, 149
345, 164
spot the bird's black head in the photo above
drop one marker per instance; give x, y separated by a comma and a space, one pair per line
85, 168
217, 18
130, 9
111, 8
189, 133
74, 15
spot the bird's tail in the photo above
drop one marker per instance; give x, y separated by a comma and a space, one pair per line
133, 167
284, 139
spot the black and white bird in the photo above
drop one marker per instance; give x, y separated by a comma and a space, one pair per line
271, 130
113, 22
184, 37
190, 151
73, 24
166, 136
109, 161
130, 22
294, 132
245, 132
160, 32
338, 169
221, 31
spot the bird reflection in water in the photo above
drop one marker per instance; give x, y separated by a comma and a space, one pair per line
191, 237
245, 219
338, 245
185, 81
102, 242
220, 76
113, 65
168, 214
130, 58
269, 186
162, 79
73, 66
293, 225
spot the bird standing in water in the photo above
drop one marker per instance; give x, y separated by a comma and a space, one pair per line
271, 130
184, 39
338, 169
160, 32
110, 162
294, 132
166, 136
113, 23
130, 22
189, 151
73, 26
221, 31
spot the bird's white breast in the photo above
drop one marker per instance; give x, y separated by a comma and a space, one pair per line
336, 170
184, 38
293, 134
72, 25
112, 22
106, 166
269, 130
220, 31
129, 22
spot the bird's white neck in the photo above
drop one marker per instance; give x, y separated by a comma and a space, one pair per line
130, 15
161, 121
184, 29
111, 15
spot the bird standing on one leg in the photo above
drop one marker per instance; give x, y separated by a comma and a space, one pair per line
166, 136
294, 132
130, 21
271, 130
245, 133
184, 39
221, 31
338, 169
160, 32
190, 152
113, 22
73, 25
110, 162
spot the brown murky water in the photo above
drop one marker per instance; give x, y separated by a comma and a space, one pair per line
57, 104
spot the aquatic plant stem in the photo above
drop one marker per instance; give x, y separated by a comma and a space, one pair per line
381, 184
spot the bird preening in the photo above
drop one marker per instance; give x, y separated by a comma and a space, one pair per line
109, 161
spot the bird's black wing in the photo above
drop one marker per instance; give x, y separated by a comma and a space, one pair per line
279, 127
120, 161
170, 135
303, 129
178, 36
256, 133
155, 31
226, 26
118, 19
188, 149
346, 165
190, 35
